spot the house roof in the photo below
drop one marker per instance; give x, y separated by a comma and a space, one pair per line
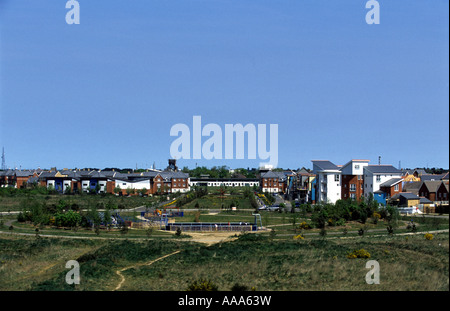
32, 180
391, 182
425, 201
409, 196
382, 169
272, 174
26, 173
412, 186
427, 177
433, 185
325, 165
420, 171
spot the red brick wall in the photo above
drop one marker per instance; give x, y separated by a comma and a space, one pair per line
347, 180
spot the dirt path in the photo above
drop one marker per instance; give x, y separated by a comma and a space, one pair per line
210, 238
206, 238
122, 278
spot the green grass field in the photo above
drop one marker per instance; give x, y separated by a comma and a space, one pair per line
406, 263
266, 260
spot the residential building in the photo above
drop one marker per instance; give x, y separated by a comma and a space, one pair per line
428, 189
226, 182
375, 175
328, 181
442, 193
352, 181
273, 182
388, 189
412, 187
405, 199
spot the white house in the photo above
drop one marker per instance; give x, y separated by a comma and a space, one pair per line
328, 181
375, 175
227, 182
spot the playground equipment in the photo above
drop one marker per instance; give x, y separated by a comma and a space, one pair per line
258, 217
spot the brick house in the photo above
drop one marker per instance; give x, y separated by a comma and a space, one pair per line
428, 189
442, 192
273, 182
352, 179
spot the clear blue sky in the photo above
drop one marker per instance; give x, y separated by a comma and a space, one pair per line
105, 93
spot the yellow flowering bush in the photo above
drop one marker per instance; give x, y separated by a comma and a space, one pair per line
299, 237
360, 253
429, 236
376, 215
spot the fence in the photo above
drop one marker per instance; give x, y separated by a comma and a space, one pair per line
211, 227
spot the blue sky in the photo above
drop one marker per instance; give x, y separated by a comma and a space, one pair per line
106, 92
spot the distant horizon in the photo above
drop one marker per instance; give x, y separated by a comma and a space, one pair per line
193, 168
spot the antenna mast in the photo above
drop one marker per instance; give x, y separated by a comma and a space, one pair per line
3, 160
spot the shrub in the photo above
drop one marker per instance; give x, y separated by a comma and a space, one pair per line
178, 233
299, 237
340, 222
361, 231
202, 285
429, 236
360, 253
375, 217
390, 229
304, 225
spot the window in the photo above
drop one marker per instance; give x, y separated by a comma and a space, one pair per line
396, 187
356, 167
352, 196
336, 177
352, 187
378, 178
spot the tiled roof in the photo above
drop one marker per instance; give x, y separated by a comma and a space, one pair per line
382, 169
391, 182
325, 165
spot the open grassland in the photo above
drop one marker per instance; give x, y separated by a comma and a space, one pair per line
216, 201
75, 202
253, 260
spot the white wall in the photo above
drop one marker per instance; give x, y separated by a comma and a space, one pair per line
328, 189
123, 184
354, 168
371, 184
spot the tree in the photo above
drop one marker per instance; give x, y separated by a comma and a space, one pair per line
117, 189
143, 191
130, 191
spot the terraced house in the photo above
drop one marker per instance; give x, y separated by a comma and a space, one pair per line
114, 182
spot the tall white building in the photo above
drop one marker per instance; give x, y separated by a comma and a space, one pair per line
328, 181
